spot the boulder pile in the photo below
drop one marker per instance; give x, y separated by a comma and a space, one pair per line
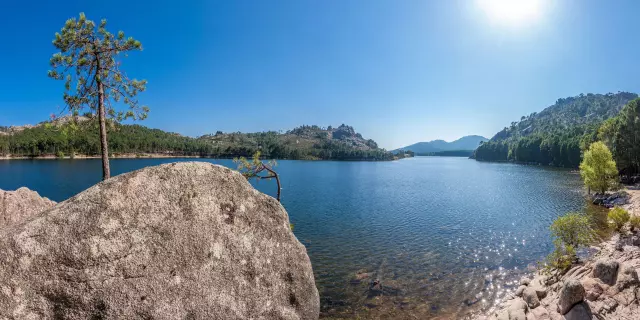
605, 286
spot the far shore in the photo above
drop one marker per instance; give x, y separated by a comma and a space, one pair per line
151, 156
112, 156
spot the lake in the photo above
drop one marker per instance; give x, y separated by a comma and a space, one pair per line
443, 236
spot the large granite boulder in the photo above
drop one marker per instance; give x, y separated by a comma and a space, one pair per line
186, 240
572, 292
16, 206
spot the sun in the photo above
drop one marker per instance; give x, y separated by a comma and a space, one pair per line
512, 12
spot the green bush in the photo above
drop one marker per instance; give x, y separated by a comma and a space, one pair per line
562, 257
635, 222
618, 217
60, 154
573, 229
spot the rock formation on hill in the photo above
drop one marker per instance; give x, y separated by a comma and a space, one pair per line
15, 206
176, 241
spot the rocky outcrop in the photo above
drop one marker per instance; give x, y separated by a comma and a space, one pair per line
176, 241
16, 206
610, 200
605, 286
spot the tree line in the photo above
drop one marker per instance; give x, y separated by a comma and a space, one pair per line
83, 138
564, 146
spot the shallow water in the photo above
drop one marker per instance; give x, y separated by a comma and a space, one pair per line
443, 236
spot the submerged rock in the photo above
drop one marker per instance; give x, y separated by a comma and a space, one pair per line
16, 206
176, 241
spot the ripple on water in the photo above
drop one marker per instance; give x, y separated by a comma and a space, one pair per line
442, 236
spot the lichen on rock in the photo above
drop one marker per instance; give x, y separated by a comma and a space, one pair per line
186, 240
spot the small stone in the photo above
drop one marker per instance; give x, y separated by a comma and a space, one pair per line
572, 292
610, 304
517, 315
516, 309
517, 304
627, 277
525, 281
592, 288
531, 298
540, 313
625, 298
503, 315
635, 240
606, 270
520, 290
539, 288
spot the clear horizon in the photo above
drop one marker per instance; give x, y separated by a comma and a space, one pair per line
398, 72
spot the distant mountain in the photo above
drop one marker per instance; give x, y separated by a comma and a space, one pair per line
464, 143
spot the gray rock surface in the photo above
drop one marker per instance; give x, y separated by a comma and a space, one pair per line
606, 270
593, 289
16, 206
520, 290
539, 288
539, 313
186, 240
531, 298
572, 292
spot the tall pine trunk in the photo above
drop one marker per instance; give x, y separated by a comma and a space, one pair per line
102, 114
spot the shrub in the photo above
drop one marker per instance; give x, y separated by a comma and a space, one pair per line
618, 217
562, 257
570, 232
59, 154
573, 229
635, 222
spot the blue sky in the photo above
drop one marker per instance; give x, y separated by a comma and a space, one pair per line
398, 71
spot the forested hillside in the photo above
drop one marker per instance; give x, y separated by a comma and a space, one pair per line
556, 135
66, 138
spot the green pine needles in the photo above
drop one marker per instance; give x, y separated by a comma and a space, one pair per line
89, 63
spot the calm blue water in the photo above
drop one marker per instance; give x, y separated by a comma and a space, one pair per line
442, 235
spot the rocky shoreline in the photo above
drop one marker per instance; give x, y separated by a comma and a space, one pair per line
603, 286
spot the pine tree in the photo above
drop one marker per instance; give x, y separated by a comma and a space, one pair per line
88, 62
626, 139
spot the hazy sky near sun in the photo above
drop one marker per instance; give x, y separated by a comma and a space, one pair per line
398, 71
